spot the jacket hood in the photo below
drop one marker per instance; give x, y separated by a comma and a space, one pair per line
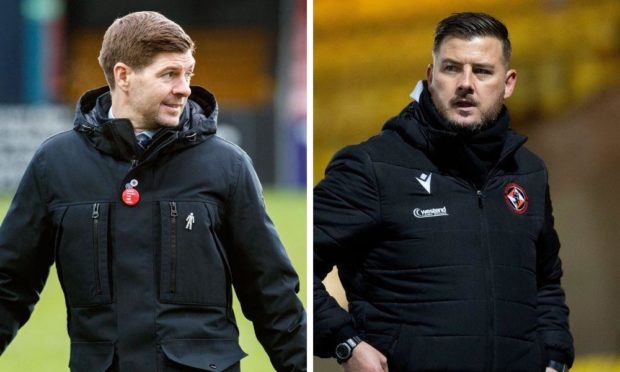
116, 136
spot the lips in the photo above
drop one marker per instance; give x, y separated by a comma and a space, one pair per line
173, 106
464, 104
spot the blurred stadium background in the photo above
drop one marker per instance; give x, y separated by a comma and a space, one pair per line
250, 54
368, 56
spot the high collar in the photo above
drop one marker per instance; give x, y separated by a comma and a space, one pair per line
470, 155
116, 136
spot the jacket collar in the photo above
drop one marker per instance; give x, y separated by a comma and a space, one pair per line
116, 136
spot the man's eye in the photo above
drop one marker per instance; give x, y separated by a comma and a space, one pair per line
482, 71
450, 68
189, 76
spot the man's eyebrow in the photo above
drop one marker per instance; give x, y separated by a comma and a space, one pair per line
450, 61
176, 66
453, 62
488, 66
169, 67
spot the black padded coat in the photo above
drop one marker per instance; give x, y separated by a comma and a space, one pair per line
146, 290
440, 275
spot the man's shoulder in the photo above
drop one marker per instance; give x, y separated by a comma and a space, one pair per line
528, 161
388, 148
224, 145
62, 141
223, 150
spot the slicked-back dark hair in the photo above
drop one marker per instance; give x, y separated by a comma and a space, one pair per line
468, 25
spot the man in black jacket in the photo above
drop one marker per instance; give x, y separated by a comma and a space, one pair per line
150, 219
442, 230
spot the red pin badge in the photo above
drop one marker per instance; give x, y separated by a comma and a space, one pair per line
130, 197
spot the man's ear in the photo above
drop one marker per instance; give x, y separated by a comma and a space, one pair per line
429, 73
122, 76
510, 82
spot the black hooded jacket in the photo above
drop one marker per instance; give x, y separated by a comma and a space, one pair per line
445, 246
148, 287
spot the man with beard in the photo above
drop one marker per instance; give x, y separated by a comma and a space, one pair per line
442, 230
151, 219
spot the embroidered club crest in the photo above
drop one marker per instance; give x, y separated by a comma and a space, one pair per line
516, 198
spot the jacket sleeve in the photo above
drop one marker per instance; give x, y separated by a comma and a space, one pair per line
264, 279
552, 310
346, 214
25, 254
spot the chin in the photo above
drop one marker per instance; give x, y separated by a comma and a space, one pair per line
470, 125
465, 122
168, 122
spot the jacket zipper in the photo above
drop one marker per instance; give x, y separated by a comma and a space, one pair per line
173, 245
490, 284
95, 217
157, 145
156, 142
488, 270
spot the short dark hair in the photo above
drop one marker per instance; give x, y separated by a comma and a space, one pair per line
468, 25
137, 38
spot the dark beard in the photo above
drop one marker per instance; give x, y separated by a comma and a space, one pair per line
486, 121
469, 129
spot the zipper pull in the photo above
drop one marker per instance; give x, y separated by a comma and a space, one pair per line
95, 211
479, 194
173, 209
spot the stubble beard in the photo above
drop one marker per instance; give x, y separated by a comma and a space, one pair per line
162, 123
487, 119
158, 121
152, 118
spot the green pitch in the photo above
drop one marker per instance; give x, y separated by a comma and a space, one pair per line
43, 345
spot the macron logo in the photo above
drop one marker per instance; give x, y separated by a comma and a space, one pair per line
425, 181
433, 212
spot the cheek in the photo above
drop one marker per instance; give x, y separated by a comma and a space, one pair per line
152, 97
441, 94
442, 87
492, 93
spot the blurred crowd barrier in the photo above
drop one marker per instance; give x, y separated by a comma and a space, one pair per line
22, 131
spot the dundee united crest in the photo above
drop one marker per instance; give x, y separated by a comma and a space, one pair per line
516, 198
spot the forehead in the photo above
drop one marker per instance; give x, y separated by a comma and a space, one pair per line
479, 49
171, 59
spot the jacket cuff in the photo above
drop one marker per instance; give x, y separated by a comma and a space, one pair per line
558, 356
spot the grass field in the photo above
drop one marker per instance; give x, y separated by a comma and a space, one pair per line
43, 345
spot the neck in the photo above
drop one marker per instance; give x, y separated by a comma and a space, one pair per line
121, 108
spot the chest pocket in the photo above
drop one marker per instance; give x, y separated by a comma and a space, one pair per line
194, 269
83, 253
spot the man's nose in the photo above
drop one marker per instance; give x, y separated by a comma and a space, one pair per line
182, 88
466, 81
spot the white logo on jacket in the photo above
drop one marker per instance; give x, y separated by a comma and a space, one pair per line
425, 181
432, 212
190, 221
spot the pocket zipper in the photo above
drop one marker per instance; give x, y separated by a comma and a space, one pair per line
173, 245
95, 217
